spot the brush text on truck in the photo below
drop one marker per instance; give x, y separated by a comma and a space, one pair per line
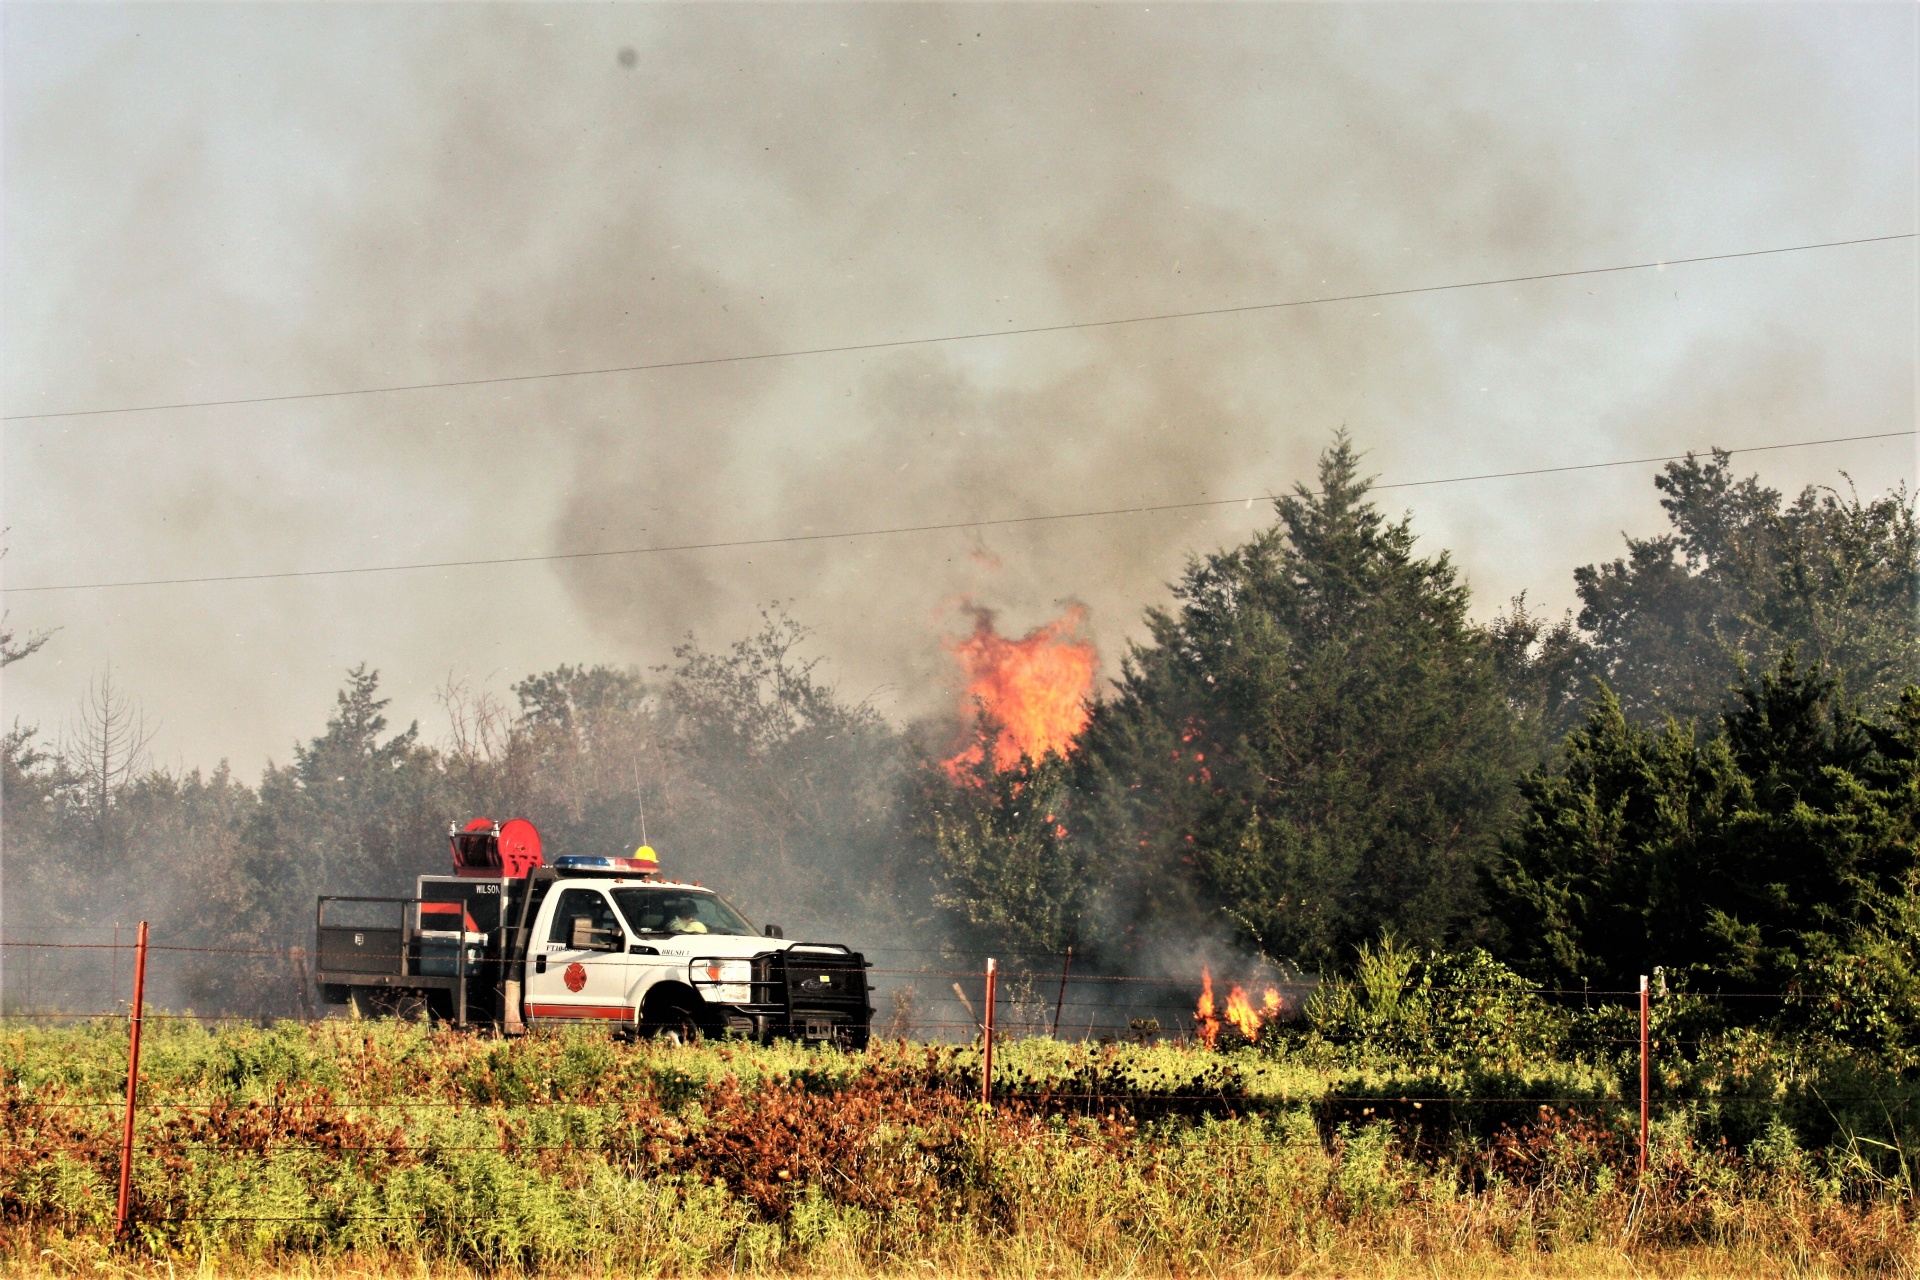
509, 942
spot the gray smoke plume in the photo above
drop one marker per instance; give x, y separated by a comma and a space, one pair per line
206, 203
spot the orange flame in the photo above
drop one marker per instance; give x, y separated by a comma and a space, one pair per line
1204, 1019
1035, 688
1241, 1014
1240, 1011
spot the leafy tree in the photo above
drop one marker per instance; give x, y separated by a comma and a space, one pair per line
1542, 663
587, 704
1438, 1009
1007, 864
1744, 858
790, 791
1315, 746
13, 645
1743, 577
584, 759
1867, 994
742, 766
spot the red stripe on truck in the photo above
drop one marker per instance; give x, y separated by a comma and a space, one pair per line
613, 1011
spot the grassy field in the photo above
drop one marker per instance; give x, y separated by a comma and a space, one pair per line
342, 1148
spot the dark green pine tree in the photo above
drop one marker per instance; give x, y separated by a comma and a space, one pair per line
354, 813
1314, 746
1779, 842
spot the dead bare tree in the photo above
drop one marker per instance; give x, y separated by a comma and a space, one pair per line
480, 727
487, 749
106, 748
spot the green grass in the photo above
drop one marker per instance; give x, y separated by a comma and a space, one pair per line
342, 1147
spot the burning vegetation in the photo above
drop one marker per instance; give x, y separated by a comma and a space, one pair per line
1240, 1012
1027, 697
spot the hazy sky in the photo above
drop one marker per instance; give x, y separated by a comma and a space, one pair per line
230, 201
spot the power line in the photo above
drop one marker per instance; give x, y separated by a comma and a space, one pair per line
903, 529
896, 343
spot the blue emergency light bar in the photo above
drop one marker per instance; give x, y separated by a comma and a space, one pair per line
581, 862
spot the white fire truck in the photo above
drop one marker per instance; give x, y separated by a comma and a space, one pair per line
512, 943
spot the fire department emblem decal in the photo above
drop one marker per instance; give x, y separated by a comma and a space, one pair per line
575, 977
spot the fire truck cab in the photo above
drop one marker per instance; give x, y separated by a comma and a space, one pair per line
512, 943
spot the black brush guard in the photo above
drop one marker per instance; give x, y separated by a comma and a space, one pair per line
812, 993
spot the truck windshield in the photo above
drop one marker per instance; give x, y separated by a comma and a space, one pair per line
664, 910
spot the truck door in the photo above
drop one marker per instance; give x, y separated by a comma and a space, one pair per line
578, 966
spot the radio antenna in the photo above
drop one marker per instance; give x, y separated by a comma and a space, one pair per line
640, 796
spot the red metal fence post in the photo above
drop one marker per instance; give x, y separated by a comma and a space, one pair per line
986, 1062
136, 1016
1644, 1075
1061, 1002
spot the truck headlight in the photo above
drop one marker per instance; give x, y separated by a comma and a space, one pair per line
724, 981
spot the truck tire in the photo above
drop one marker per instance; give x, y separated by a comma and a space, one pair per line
408, 1006
673, 1017
380, 1002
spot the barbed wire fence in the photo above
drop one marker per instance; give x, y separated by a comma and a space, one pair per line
1082, 1007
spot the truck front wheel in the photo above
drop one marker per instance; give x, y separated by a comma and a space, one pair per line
672, 1017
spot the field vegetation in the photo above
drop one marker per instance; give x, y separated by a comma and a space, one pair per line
1446, 1120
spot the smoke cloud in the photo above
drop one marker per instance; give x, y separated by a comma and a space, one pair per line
210, 203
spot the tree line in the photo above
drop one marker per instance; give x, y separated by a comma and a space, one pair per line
1712, 766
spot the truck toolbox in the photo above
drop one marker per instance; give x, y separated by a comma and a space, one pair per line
347, 949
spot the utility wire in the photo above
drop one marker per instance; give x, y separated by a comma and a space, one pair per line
897, 343
897, 529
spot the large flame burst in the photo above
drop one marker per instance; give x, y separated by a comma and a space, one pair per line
1034, 689
1240, 1013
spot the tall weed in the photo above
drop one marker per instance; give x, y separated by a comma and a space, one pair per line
299, 1145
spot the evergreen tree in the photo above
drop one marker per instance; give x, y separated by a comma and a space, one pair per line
1315, 746
1744, 859
42, 830
354, 813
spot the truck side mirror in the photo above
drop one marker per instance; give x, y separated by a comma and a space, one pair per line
773, 931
